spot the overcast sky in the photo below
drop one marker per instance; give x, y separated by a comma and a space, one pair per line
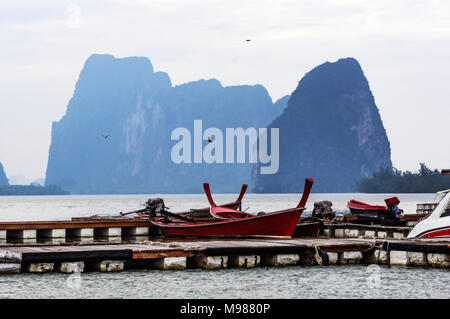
402, 46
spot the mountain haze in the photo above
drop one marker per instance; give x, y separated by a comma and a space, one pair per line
116, 134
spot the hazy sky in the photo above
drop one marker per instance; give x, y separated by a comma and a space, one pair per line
402, 46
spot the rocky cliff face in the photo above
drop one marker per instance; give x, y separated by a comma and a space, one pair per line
116, 134
331, 130
3, 178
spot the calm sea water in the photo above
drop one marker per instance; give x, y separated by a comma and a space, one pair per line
15, 208
288, 282
356, 281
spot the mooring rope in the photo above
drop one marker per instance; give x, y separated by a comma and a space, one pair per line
317, 256
380, 248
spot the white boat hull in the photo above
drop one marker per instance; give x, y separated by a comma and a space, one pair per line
437, 224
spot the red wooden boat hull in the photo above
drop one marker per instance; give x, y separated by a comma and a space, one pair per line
434, 233
280, 223
366, 211
308, 228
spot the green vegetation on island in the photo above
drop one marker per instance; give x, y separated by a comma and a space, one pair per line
387, 180
31, 190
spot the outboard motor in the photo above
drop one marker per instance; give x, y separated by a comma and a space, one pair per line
323, 210
392, 207
154, 206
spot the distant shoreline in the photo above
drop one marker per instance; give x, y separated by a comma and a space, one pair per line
194, 194
21, 190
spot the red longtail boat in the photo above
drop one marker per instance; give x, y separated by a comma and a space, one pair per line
227, 222
205, 213
375, 213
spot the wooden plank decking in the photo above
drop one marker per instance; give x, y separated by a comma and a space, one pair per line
155, 249
76, 223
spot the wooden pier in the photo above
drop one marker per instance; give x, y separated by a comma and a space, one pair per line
351, 230
120, 243
118, 227
218, 254
87, 228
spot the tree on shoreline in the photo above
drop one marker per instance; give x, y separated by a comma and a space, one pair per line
386, 180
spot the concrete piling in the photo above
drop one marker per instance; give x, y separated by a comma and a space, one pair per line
169, 263
398, 258
135, 231
10, 257
51, 233
417, 259
398, 235
333, 258
339, 232
438, 260
109, 265
40, 267
350, 257
351, 232
382, 234
376, 256
80, 232
28, 234
280, 260
71, 267
10, 268
244, 261
209, 262
370, 233
328, 232
10, 263
382, 257
108, 232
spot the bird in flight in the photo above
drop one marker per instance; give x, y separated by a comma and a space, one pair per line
105, 136
248, 40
